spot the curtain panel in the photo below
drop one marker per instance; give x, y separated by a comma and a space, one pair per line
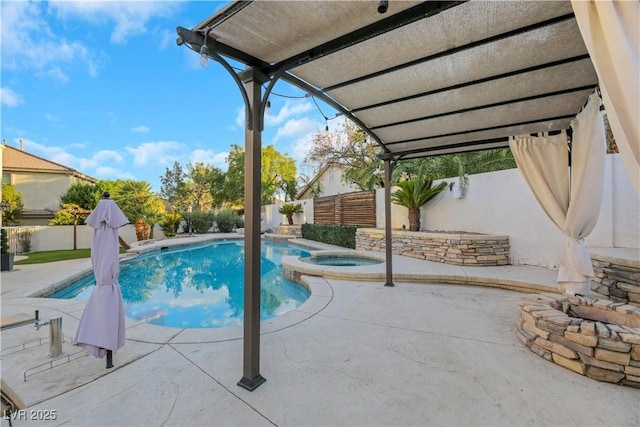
571, 197
611, 33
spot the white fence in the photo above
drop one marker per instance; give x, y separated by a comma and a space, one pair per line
60, 237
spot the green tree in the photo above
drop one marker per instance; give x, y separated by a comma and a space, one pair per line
216, 179
199, 186
415, 192
174, 187
64, 216
13, 198
84, 196
234, 178
278, 174
143, 208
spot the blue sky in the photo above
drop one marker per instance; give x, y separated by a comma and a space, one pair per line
103, 88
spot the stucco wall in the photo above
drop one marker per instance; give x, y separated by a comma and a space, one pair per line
502, 203
271, 216
41, 190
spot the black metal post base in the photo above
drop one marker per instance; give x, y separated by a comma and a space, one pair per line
390, 284
109, 359
251, 384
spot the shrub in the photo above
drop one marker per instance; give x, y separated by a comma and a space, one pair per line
227, 220
201, 222
169, 223
25, 240
4, 242
339, 235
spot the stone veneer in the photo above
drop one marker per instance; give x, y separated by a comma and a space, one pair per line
288, 230
617, 279
450, 248
601, 339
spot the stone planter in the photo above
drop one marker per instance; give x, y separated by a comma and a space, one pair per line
457, 248
288, 230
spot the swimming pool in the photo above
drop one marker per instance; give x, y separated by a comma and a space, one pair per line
199, 286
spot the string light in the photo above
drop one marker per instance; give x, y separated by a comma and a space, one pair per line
204, 50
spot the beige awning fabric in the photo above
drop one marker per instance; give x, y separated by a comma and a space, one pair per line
424, 78
611, 30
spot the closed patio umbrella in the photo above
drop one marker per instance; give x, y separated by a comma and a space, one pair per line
101, 330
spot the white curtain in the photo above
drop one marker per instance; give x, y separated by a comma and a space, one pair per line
571, 198
611, 33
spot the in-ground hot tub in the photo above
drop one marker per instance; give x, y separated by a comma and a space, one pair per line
340, 260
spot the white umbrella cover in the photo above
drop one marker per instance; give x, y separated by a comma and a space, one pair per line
102, 326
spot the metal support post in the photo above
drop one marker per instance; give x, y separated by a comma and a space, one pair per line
387, 221
251, 378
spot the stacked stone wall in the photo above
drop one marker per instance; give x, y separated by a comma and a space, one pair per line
608, 352
618, 280
288, 230
450, 248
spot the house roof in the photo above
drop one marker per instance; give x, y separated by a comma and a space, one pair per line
317, 177
424, 78
16, 160
37, 213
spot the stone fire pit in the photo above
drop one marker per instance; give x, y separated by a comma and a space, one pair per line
596, 338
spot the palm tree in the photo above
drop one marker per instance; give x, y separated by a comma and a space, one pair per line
414, 193
288, 209
461, 165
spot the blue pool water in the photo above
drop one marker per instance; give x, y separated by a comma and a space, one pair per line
199, 286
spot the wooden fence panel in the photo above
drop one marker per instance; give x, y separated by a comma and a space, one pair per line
357, 209
324, 210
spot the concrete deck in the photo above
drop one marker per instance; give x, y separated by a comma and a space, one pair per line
357, 353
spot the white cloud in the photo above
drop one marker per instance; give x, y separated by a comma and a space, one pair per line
240, 118
168, 39
296, 127
104, 156
160, 153
108, 172
129, 18
55, 73
301, 147
10, 98
52, 118
29, 42
209, 157
140, 129
289, 109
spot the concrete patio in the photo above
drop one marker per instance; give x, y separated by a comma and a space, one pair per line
356, 353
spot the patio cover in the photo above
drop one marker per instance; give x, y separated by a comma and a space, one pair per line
424, 78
